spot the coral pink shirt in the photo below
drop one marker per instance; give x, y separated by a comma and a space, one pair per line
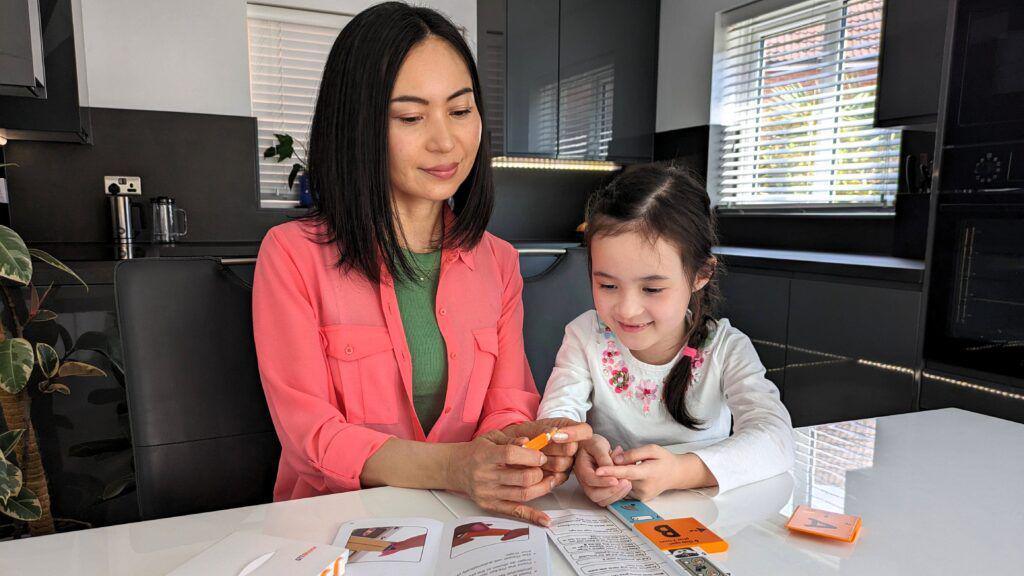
336, 368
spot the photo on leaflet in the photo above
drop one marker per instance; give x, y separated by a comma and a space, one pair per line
474, 535
387, 544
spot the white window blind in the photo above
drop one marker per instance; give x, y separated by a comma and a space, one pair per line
794, 94
287, 52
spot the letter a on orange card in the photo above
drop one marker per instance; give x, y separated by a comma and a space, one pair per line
825, 524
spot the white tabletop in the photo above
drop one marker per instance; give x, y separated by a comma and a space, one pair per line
940, 492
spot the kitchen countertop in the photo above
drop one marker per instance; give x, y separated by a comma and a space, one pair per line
94, 261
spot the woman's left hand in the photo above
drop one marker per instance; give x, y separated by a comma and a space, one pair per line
561, 451
651, 469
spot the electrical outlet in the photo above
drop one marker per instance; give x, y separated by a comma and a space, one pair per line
122, 185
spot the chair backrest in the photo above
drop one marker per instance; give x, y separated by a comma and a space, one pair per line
551, 299
202, 435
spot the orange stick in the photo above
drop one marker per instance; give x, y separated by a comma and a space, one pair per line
541, 440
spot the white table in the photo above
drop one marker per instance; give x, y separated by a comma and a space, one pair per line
940, 492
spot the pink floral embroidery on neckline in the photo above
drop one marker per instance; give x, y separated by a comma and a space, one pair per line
618, 376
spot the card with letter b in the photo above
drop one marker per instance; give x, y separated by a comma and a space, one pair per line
826, 524
682, 533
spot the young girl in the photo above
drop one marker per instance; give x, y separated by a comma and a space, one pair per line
652, 366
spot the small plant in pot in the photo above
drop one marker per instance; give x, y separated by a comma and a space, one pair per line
283, 150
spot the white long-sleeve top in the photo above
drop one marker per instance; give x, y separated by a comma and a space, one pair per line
596, 379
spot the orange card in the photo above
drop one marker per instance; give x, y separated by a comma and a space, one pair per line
682, 533
539, 441
826, 524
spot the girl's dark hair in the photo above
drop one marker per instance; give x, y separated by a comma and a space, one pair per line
348, 142
669, 203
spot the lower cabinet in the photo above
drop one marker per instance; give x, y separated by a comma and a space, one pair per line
838, 350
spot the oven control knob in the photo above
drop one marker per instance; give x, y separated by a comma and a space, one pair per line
988, 169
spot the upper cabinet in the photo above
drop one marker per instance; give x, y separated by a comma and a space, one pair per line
569, 78
21, 50
61, 115
910, 66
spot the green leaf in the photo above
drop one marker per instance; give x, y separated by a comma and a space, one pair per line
79, 369
16, 362
45, 257
9, 441
44, 316
15, 263
25, 506
49, 387
48, 358
10, 480
270, 151
285, 147
296, 168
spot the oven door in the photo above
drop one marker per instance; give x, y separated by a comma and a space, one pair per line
975, 316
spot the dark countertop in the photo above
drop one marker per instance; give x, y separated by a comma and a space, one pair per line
94, 261
863, 266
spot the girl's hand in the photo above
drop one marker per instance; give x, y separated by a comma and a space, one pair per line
602, 491
652, 470
499, 476
563, 446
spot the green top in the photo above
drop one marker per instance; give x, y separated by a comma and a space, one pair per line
416, 298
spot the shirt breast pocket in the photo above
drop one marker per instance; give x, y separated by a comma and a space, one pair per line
485, 354
364, 372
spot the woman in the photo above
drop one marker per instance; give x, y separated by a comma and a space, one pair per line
388, 323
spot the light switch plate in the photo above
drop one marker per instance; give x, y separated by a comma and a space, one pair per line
122, 185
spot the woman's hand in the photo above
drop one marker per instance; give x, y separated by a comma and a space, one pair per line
601, 490
499, 475
563, 446
653, 470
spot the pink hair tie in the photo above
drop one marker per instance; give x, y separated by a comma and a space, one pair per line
689, 351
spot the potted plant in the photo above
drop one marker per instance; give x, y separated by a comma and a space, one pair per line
283, 150
24, 492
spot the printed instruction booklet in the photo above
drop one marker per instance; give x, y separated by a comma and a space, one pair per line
475, 546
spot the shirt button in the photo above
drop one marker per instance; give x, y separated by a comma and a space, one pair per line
348, 350
448, 409
443, 311
452, 355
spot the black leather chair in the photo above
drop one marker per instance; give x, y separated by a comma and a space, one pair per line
202, 434
551, 299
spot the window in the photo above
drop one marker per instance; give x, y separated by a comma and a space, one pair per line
794, 95
287, 52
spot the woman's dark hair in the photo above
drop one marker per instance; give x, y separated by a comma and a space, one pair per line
348, 141
668, 203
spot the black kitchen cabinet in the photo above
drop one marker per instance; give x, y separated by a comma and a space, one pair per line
837, 348
531, 104
758, 305
851, 351
58, 117
910, 64
608, 72
570, 79
21, 50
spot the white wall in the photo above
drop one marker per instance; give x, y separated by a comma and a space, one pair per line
685, 50
190, 55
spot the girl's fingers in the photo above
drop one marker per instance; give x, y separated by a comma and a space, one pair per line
627, 472
642, 453
606, 496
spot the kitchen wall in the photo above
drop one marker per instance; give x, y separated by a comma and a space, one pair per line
685, 52
191, 55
